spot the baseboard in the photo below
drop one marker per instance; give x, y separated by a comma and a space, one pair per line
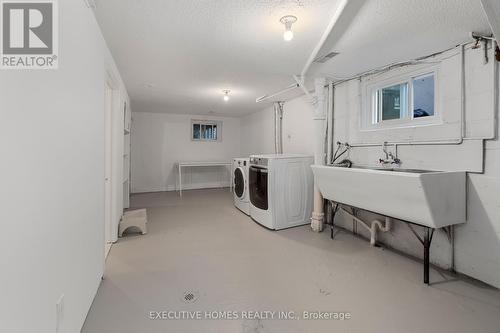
171, 188
94, 294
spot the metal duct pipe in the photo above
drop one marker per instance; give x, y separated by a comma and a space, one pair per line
278, 127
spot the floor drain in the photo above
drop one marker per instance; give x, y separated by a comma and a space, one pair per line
190, 296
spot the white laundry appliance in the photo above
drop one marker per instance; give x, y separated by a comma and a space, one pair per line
281, 190
240, 181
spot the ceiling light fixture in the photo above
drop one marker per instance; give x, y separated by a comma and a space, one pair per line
288, 20
226, 95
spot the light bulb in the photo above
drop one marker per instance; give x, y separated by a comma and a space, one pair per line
288, 35
226, 98
287, 21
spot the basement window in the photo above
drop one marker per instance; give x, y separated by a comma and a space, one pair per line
203, 130
403, 101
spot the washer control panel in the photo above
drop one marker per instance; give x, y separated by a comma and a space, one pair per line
241, 162
258, 161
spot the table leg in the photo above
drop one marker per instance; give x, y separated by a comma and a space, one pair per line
426, 256
180, 180
427, 245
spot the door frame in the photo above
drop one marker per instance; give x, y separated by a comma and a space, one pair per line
112, 101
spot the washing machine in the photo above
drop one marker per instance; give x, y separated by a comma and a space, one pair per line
281, 190
240, 181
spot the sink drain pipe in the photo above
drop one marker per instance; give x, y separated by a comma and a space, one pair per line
319, 149
373, 226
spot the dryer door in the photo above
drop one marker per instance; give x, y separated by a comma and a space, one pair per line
258, 187
239, 183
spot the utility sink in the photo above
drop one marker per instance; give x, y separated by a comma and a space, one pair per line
433, 199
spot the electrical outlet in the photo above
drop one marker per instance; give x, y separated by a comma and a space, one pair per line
59, 312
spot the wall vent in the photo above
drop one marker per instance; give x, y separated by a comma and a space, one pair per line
326, 57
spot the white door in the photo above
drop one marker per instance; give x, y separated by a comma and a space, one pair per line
108, 167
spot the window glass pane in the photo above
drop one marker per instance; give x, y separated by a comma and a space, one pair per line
209, 132
394, 101
196, 131
203, 132
423, 96
206, 131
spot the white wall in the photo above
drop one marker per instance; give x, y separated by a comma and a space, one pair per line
478, 241
160, 140
257, 133
52, 193
477, 245
257, 129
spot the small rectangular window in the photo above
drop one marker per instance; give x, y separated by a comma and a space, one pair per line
203, 130
403, 103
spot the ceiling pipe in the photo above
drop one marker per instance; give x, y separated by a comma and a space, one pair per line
300, 83
324, 37
491, 9
269, 96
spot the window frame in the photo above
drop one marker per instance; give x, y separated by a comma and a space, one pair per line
205, 123
372, 111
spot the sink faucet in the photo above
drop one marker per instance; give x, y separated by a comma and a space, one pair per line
389, 156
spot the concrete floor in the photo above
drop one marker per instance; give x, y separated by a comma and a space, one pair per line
202, 245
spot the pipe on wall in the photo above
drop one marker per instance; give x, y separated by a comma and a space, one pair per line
329, 116
463, 116
278, 127
319, 149
463, 120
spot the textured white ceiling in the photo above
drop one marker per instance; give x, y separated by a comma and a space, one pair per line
386, 31
178, 56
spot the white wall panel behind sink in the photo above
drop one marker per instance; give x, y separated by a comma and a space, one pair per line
430, 198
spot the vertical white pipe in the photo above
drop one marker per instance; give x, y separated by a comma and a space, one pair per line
319, 149
278, 127
329, 116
